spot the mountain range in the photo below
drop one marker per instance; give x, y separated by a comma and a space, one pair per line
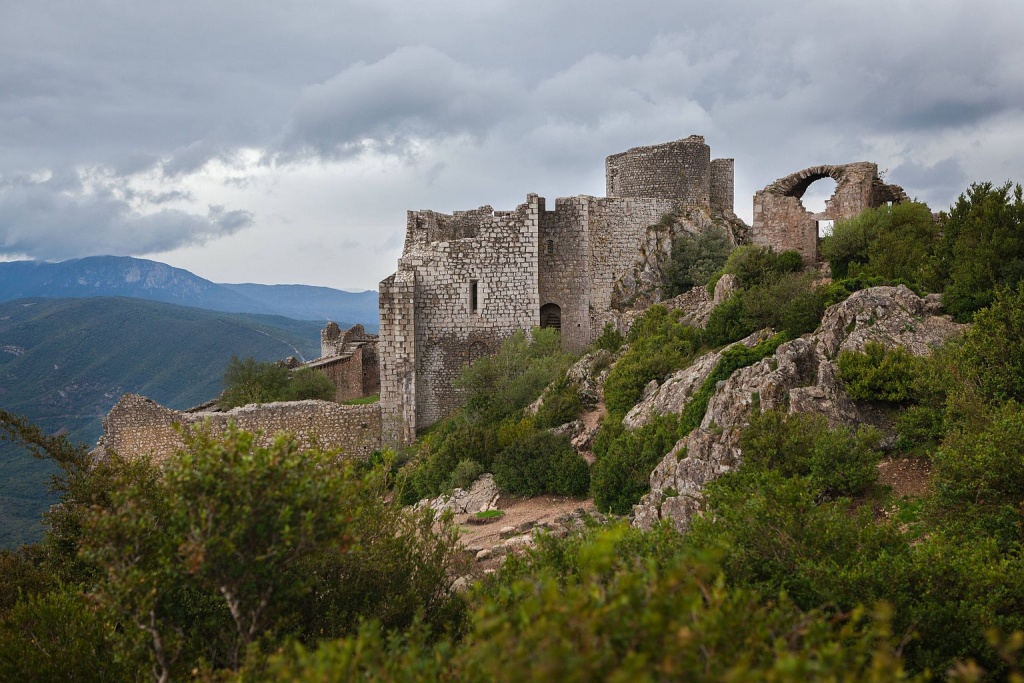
76, 335
124, 276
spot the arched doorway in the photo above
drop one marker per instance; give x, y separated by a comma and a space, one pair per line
551, 316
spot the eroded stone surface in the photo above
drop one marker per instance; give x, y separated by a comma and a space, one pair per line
800, 377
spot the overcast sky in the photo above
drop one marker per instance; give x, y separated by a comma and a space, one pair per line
273, 142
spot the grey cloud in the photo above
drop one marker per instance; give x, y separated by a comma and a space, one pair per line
58, 220
935, 184
415, 92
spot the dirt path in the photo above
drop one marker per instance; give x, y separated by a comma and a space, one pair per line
518, 511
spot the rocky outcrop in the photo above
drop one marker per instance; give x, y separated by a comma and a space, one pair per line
675, 393
481, 495
801, 377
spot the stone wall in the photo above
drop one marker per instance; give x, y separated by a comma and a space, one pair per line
350, 360
469, 293
140, 427
398, 356
723, 185
782, 222
680, 171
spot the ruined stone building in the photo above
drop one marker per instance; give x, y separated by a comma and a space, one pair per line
468, 280
782, 222
349, 359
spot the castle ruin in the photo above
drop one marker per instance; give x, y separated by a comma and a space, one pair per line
468, 280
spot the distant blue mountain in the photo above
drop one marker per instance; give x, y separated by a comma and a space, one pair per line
143, 279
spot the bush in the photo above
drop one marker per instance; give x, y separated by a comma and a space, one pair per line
695, 260
610, 339
836, 462
465, 473
659, 345
499, 385
879, 373
625, 459
893, 243
787, 302
307, 383
982, 247
541, 463
561, 404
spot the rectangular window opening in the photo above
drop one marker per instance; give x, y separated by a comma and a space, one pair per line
474, 300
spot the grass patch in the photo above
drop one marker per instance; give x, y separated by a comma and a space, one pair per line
366, 400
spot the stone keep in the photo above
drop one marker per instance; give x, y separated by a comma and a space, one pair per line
468, 280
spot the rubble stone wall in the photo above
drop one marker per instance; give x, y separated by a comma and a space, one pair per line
140, 427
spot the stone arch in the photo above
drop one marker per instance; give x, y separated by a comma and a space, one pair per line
551, 316
782, 222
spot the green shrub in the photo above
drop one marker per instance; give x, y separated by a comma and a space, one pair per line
695, 260
621, 473
879, 373
499, 385
786, 302
659, 345
610, 339
789, 261
542, 463
307, 383
465, 473
836, 462
752, 264
561, 404
892, 243
570, 474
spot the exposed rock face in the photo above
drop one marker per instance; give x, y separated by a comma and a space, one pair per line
482, 495
695, 304
800, 376
679, 388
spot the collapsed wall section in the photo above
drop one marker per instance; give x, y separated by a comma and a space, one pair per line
782, 222
139, 427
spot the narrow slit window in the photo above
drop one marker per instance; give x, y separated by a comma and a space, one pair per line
551, 247
474, 297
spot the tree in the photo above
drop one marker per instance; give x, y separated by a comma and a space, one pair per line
695, 259
982, 247
251, 381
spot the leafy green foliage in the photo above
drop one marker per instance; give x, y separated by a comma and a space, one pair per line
893, 243
695, 260
979, 478
982, 247
991, 356
787, 302
561, 404
542, 463
610, 339
251, 381
658, 345
499, 385
879, 373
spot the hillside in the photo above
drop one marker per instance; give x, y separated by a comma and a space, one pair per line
65, 362
143, 279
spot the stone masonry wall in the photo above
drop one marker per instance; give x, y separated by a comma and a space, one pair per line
723, 180
563, 273
499, 264
140, 427
679, 170
782, 222
397, 350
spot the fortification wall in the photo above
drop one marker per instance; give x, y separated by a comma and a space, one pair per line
139, 427
723, 181
564, 265
470, 294
679, 170
397, 351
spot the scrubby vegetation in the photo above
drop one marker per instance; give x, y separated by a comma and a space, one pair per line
251, 381
239, 562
